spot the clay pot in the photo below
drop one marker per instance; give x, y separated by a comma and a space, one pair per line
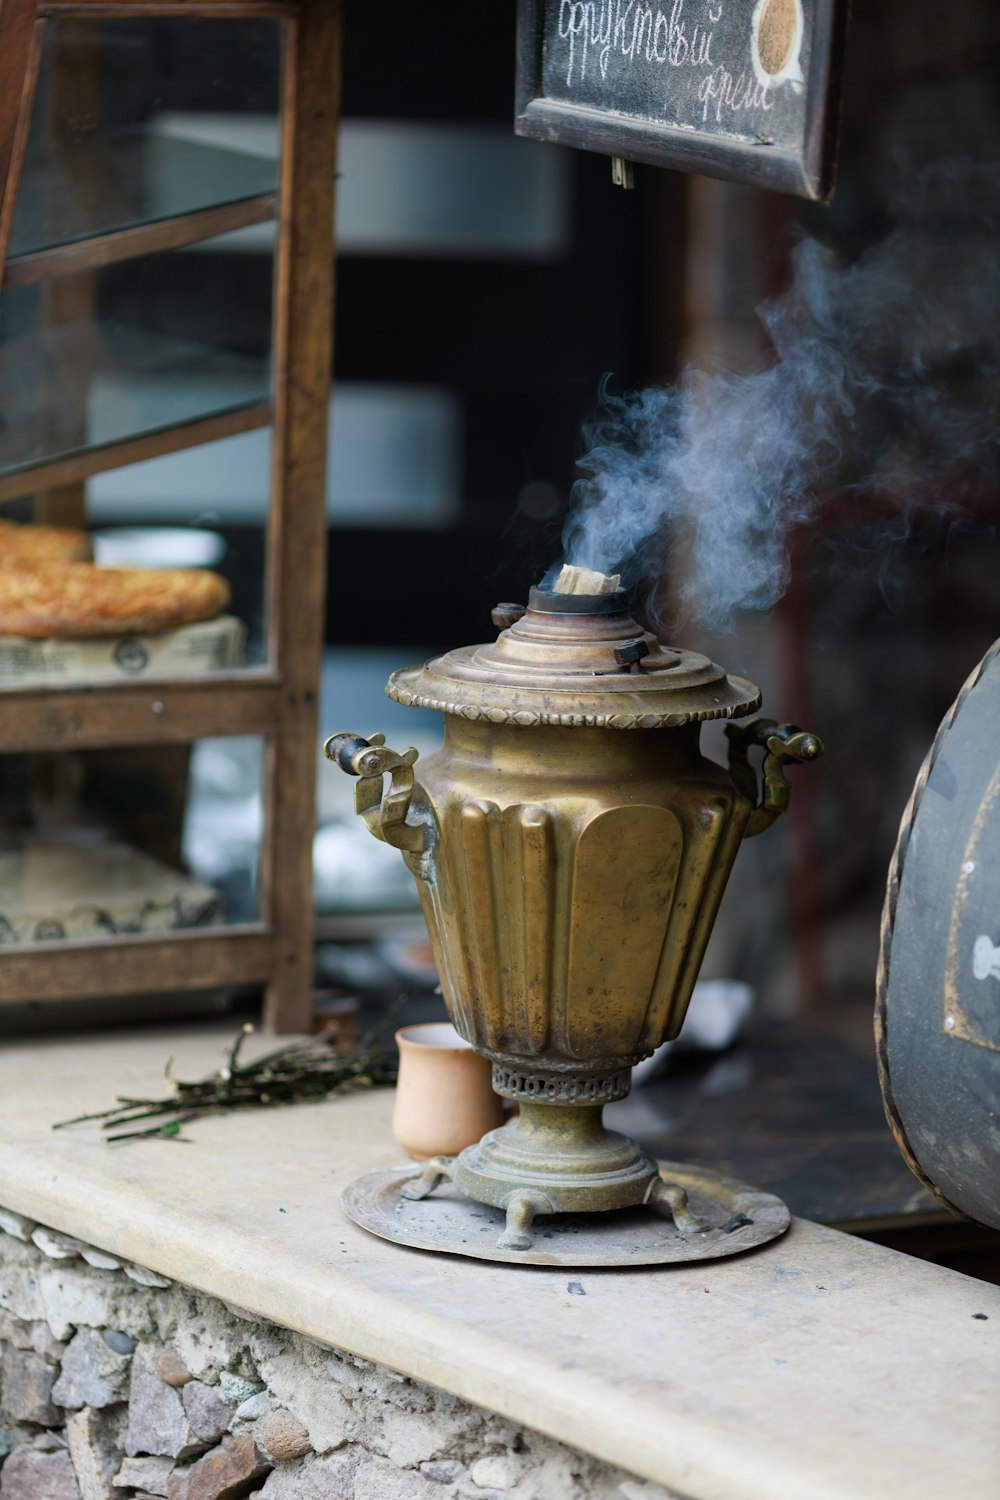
444, 1097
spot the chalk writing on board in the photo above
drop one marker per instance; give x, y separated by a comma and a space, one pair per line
683, 62
744, 89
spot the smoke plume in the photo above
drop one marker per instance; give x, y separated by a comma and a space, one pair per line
884, 379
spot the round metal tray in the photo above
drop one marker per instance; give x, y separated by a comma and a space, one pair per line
739, 1218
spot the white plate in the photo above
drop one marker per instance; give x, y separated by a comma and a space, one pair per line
158, 547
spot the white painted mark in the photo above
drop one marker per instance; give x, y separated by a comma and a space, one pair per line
985, 959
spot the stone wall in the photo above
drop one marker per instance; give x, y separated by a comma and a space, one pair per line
116, 1384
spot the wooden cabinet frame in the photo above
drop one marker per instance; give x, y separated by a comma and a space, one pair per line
279, 701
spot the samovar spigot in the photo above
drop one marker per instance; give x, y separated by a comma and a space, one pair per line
384, 812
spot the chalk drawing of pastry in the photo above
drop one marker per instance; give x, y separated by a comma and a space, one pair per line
776, 31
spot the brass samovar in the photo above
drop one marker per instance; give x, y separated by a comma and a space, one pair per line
571, 846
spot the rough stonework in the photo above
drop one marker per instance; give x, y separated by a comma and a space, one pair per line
118, 1385
95, 1440
30, 1474
26, 1380
92, 1374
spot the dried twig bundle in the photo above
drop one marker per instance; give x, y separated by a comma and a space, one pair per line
294, 1074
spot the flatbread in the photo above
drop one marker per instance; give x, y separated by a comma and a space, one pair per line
75, 599
43, 543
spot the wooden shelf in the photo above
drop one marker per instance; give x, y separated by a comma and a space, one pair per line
140, 713
144, 239
194, 9
131, 965
80, 466
89, 199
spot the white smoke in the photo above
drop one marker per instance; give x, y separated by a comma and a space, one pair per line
884, 378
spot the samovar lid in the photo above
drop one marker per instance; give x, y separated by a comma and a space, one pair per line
578, 660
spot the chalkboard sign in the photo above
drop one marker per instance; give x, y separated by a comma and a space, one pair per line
743, 89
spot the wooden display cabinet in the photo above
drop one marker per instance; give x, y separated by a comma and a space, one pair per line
196, 200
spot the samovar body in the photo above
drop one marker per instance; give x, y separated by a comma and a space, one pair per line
575, 881
571, 846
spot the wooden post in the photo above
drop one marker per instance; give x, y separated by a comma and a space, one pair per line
21, 39
296, 582
73, 89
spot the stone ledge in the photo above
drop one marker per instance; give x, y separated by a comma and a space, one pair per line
814, 1369
168, 1393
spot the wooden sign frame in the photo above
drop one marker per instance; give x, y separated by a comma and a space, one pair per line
753, 113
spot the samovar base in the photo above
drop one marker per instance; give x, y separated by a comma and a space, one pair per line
735, 1218
555, 1159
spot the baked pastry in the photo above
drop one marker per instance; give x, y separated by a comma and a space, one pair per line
74, 599
44, 543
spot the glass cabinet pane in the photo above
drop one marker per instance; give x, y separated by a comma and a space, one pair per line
152, 141
72, 387
144, 178
114, 141
150, 840
136, 319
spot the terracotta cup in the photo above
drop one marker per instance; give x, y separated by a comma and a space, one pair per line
444, 1097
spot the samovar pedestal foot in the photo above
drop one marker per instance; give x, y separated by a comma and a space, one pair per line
670, 1201
522, 1209
437, 1170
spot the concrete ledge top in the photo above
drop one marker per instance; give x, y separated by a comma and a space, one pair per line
818, 1368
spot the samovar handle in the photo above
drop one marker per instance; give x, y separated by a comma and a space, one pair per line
384, 815
781, 743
